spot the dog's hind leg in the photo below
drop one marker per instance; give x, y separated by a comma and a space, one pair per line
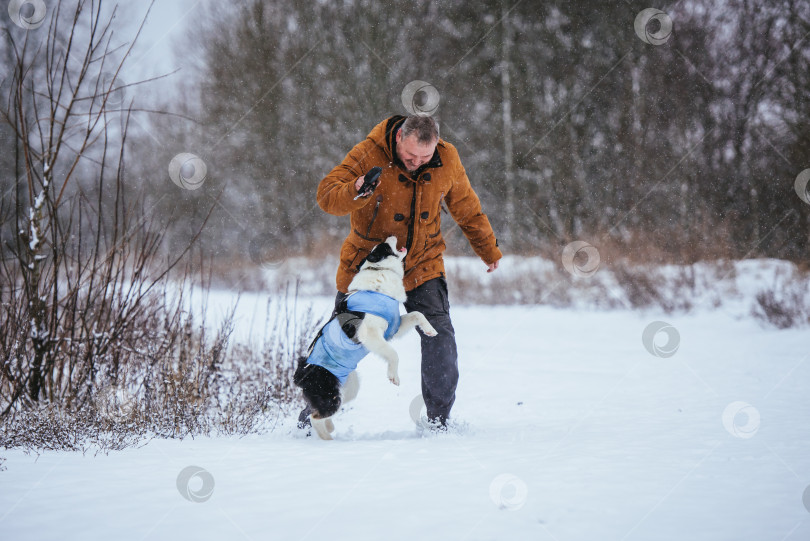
370, 334
415, 319
322, 427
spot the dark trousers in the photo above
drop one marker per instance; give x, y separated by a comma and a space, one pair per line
439, 354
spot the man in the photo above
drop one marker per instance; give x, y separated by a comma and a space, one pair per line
420, 171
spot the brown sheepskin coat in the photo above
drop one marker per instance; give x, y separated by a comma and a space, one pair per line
409, 207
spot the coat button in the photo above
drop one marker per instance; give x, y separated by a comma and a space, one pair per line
426, 176
399, 217
403, 178
425, 215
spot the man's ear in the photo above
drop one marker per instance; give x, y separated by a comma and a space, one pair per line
398, 135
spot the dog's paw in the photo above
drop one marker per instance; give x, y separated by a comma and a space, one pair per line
428, 329
393, 378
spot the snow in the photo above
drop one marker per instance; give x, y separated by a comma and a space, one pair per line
567, 429
39, 200
34, 242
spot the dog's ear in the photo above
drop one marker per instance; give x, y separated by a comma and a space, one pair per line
380, 252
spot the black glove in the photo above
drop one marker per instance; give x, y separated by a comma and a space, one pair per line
370, 182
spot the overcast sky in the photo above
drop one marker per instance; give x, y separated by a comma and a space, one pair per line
168, 23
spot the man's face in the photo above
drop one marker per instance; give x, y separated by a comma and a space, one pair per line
413, 153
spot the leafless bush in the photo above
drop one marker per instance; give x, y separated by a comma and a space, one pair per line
642, 288
313, 272
179, 382
527, 281
620, 284
98, 346
80, 266
786, 303
668, 288
50, 427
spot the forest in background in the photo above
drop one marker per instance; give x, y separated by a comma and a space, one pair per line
677, 141
569, 124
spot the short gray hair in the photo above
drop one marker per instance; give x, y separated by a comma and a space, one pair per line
423, 127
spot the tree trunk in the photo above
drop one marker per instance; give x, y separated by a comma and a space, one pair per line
508, 152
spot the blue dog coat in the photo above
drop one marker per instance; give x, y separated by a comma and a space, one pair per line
340, 354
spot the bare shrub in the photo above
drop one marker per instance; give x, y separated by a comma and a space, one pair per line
641, 288
98, 346
619, 284
50, 427
179, 382
529, 281
80, 269
669, 288
786, 303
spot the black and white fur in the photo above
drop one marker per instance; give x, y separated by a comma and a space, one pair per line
380, 271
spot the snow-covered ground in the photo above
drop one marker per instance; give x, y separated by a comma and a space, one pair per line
568, 427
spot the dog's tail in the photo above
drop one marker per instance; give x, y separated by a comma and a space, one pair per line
301, 371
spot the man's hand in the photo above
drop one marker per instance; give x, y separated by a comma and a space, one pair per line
366, 184
493, 266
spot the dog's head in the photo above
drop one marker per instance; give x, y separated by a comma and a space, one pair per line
321, 389
385, 256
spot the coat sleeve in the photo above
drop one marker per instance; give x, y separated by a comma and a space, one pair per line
465, 207
336, 192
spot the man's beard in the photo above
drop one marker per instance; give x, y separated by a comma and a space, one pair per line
408, 168
405, 165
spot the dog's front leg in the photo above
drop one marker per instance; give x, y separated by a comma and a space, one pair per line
348, 391
371, 335
415, 319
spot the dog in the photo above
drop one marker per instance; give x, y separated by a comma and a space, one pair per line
364, 323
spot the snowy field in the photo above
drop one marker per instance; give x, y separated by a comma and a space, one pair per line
570, 425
